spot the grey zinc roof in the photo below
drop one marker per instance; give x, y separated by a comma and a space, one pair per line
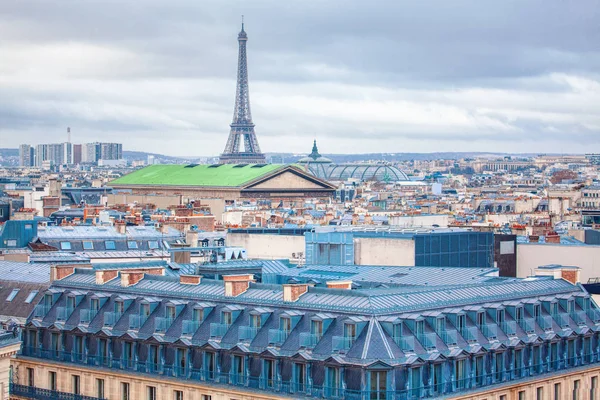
24, 272
103, 232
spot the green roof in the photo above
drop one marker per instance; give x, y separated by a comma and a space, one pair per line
221, 175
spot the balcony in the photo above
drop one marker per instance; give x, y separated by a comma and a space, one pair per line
86, 316
579, 317
247, 332
32, 392
450, 337
111, 318
594, 315
63, 313
510, 328
528, 325
545, 322
563, 320
41, 310
469, 334
340, 343
136, 321
277, 336
162, 324
406, 343
190, 327
428, 340
218, 330
309, 340
490, 331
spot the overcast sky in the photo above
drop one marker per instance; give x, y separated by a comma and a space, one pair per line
358, 76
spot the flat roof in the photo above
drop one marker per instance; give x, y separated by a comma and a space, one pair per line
218, 175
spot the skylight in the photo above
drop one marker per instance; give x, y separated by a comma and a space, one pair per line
12, 295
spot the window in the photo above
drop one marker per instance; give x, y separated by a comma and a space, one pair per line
198, 314
65, 245
119, 307
316, 328
418, 328
593, 387
440, 324
12, 295
285, 324
206, 397
536, 311
300, 377
151, 393
521, 395
480, 319
557, 391
576, 385
226, 316
124, 391
460, 322
539, 393
30, 377
269, 369
503, 397
88, 245
170, 312
145, 309
71, 302
11, 243
75, 384
378, 381
553, 309
519, 313
95, 304
31, 296
132, 244
350, 332
110, 245
500, 317
333, 382
153, 244
177, 395
255, 321
100, 388
52, 380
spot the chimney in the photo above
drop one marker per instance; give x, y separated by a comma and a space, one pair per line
104, 276
121, 227
191, 238
237, 284
131, 278
292, 292
346, 285
58, 272
190, 279
568, 273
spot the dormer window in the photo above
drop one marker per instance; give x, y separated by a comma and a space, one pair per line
48, 300
570, 307
440, 324
316, 328
226, 318
132, 244
418, 328
500, 317
285, 324
255, 321
585, 303
220, 242
553, 309
170, 312
398, 330
537, 310
519, 313
350, 332
480, 319
145, 309
198, 314
119, 307
71, 302
460, 322
95, 304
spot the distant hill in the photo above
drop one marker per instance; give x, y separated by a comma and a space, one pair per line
9, 152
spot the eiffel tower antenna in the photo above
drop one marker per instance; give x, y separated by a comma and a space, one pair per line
242, 145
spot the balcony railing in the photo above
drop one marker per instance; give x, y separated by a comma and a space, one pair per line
63, 313
247, 332
579, 317
490, 331
563, 320
470, 333
594, 315
406, 343
41, 310
342, 343
450, 337
136, 321
8, 338
32, 392
545, 322
278, 336
510, 328
111, 318
309, 340
428, 340
162, 324
87, 315
190, 326
218, 330
527, 324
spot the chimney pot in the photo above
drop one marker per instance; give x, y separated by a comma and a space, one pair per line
292, 292
237, 284
347, 285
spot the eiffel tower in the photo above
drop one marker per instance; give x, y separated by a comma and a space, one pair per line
242, 128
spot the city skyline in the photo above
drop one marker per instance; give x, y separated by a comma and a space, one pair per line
395, 77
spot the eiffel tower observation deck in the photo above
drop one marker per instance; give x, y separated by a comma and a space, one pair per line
242, 146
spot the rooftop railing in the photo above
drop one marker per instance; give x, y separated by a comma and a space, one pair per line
32, 392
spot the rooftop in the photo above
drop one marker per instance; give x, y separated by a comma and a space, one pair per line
217, 175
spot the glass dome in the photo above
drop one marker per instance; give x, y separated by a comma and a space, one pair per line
366, 172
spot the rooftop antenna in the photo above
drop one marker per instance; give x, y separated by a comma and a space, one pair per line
242, 21
68, 135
